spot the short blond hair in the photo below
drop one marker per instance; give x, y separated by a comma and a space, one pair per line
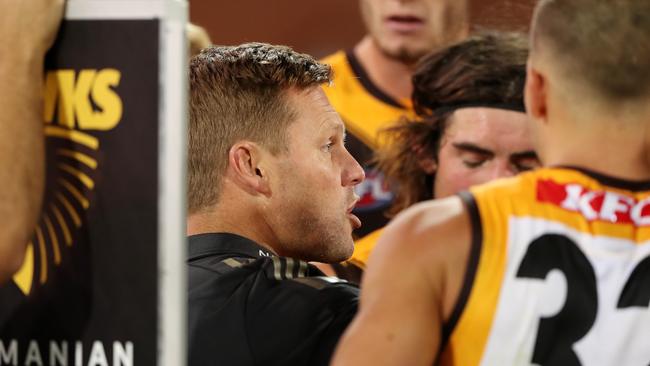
239, 93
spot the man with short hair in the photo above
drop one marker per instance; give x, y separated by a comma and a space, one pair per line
27, 30
550, 267
270, 186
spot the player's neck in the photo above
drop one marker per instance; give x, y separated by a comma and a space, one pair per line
234, 219
612, 149
391, 76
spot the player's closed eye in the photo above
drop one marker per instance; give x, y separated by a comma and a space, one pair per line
526, 164
473, 159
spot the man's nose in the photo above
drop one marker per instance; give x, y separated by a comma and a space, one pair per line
353, 173
502, 170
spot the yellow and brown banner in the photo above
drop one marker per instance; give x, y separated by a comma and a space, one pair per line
87, 293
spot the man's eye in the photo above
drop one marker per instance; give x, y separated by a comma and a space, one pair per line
473, 163
528, 164
522, 168
328, 146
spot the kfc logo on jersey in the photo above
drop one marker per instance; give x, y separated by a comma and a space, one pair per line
595, 205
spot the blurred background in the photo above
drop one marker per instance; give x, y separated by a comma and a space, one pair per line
320, 27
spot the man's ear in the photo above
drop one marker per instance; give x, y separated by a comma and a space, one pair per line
246, 163
536, 93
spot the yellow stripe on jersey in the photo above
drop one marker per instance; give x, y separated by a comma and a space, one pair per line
364, 114
467, 340
565, 196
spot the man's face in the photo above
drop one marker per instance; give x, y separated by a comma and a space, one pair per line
407, 30
482, 144
312, 187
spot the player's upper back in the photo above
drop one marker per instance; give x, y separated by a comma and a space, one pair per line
563, 273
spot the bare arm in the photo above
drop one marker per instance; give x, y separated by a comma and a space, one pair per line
27, 30
410, 287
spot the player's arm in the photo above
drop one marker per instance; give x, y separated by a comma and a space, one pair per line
27, 30
410, 287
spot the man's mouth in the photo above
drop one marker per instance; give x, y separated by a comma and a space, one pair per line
404, 23
354, 220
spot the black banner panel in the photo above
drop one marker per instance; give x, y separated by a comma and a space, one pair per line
87, 293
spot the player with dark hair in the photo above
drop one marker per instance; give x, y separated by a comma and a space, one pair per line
471, 126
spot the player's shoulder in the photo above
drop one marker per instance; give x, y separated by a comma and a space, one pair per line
303, 298
429, 217
430, 229
303, 311
301, 281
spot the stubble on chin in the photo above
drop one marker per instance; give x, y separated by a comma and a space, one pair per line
403, 54
406, 56
327, 241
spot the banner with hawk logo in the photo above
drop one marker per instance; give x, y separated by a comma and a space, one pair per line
102, 282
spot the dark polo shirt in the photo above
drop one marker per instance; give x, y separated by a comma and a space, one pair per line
250, 307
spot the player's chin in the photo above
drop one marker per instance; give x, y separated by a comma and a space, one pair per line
341, 250
343, 253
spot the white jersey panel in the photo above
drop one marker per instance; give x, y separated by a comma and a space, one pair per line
569, 277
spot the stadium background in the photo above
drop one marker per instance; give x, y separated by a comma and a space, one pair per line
320, 27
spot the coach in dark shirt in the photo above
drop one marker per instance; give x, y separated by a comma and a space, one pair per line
270, 187
266, 310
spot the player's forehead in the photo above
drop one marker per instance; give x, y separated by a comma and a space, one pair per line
491, 129
313, 111
481, 120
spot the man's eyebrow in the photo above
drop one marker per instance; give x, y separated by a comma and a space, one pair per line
468, 146
530, 154
340, 128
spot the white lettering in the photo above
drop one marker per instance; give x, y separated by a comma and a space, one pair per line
97, 355
585, 206
614, 203
9, 356
122, 356
78, 353
573, 192
58, 355
33, 354
637, 213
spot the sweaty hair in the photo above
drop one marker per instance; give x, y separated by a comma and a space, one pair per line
240, 93
483, 70
601, 44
